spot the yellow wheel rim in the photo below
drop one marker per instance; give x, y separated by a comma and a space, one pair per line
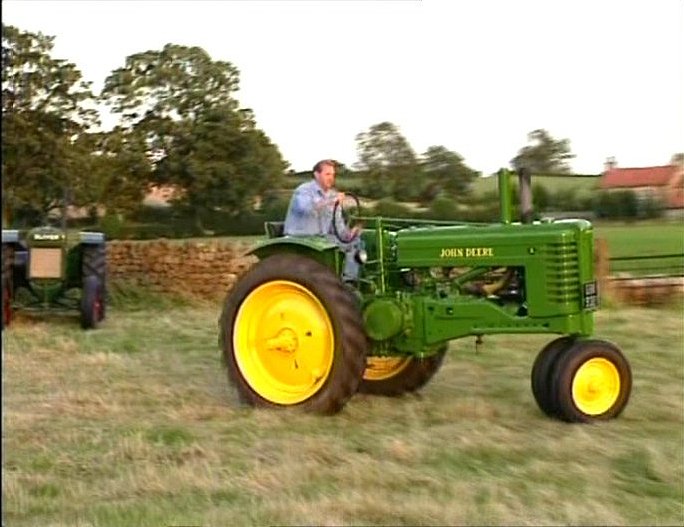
283, 342
381, 368
596, 386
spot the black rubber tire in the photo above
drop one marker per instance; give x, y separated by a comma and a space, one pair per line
542, 371
414, 376
349, 355
565, 372
95, 264
92, 301
339, 206
7, 284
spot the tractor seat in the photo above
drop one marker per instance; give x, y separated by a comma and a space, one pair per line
274, 229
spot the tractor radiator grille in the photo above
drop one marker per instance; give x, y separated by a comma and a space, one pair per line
45, 263
562, 273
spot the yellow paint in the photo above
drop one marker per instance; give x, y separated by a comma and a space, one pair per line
284, 342
596, 386
466, 252
381, 368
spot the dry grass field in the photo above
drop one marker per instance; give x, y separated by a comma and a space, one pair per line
135, 424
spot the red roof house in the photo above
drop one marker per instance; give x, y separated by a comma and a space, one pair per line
665, 182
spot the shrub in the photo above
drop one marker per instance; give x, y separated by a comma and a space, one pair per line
617, 204
443, 208
650, 207
276, 208
540, 197
389, 208
112, 225
565, 199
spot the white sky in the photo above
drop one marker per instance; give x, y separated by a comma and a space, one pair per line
472, 75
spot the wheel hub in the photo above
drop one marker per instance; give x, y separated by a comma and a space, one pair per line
596, 386
285, 341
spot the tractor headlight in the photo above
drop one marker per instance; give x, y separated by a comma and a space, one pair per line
361, 256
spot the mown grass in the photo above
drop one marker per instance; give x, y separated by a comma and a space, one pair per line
135, 424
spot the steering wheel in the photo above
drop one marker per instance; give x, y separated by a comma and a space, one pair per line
346, 213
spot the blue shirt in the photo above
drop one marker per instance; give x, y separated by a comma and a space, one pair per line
303, 216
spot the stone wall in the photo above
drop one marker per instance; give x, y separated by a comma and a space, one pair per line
190, 269
651, 291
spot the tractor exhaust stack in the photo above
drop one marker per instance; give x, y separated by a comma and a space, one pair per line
526, 209
524, 193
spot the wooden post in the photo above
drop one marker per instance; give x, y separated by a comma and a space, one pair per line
602, 268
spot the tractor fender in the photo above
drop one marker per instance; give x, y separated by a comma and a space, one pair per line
318, 248
10, 236
91, 238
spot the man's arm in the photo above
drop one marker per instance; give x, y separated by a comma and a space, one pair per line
306, 203
304, 213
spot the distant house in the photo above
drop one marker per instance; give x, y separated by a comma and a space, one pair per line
161, 195
665, 183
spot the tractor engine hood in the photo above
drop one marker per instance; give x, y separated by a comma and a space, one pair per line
46, 237
496, 245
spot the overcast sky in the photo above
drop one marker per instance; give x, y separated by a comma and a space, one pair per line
472, 75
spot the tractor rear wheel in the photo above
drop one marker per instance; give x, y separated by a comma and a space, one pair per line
95, 264
542, 371
7, 284
392, 376
292, 336
591, 381
92, 302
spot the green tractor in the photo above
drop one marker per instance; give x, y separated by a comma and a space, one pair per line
42, 273
294, 335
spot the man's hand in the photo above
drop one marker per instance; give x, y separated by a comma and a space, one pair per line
326, 202
354, 232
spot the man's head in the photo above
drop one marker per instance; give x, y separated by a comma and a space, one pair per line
324, 172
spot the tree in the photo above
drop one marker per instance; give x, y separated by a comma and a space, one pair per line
118, 170
176, 82
44, 113
182, 104
389, 162
545, 155
219, 165
444, 171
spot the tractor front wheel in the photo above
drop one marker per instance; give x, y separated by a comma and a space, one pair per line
393, 376
92, 302
591, 381
542, 371
95, 264
292, 336
7, 284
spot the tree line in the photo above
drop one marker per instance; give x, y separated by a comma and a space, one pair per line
181, 124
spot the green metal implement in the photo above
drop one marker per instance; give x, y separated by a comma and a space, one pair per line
42, 272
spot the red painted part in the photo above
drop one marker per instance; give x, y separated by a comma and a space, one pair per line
97, 308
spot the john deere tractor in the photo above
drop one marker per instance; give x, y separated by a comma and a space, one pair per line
294, 335
42, 272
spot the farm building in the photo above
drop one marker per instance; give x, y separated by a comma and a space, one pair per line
666, 183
